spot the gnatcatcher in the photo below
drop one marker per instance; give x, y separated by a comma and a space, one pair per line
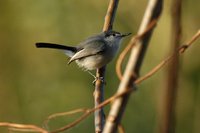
92, 53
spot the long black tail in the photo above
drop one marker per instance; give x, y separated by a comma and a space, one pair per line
55, 46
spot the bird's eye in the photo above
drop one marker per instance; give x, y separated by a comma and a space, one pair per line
114, 34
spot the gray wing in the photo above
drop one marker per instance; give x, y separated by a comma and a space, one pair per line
89, 49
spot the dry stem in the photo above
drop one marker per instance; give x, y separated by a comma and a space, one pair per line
170, 89
100, 73
130, 46
132, 70
23, 127
180, 50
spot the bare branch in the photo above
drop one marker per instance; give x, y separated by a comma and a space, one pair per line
23, 127
56, 115
74, 123
110, 15
87, 112
170, 89
100, 73
180, 50
132, 70
131, 45
190, 42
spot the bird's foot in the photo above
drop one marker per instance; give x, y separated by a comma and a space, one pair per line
97, 78
101, 79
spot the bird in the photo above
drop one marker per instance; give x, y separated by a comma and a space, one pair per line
94, 52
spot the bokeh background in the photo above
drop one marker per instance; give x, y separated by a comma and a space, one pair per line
35, 83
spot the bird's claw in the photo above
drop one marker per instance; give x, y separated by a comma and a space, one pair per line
99, 78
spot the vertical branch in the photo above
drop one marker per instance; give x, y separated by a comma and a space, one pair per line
110, 15
132, 69
100, 73
170, 92
99, 116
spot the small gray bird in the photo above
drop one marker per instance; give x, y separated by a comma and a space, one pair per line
92, 53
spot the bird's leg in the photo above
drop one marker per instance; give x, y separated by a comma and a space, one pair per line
91, 74
96, 78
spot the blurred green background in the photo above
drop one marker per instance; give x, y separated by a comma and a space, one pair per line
35, 83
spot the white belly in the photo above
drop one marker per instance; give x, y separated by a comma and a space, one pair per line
99, 60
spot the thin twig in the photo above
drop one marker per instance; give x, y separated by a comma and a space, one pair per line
180, 50
87, 112
72, 124
100, 73
190, 42
66, 113
130, 46
110, 15
23, 127
56, 115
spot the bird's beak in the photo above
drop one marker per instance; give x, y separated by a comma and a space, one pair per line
126, 34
